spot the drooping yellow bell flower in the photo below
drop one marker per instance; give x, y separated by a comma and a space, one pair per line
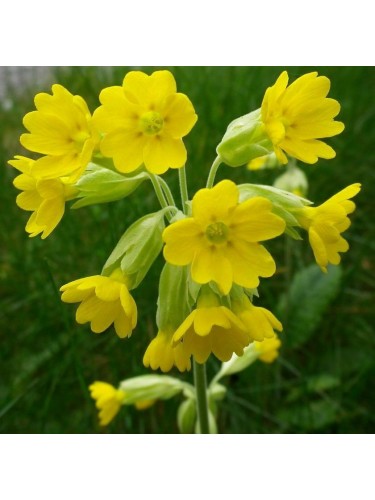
108, 400
298, 115
259, 322
325, 224
104, 300
44, 197
221, 239
268, 349
144, 121
162, 354
211, 328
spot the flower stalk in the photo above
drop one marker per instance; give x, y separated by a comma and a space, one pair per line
200, 381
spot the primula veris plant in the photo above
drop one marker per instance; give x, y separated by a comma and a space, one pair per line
214, 242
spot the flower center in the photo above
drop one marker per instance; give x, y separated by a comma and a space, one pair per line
151, 123
217, 232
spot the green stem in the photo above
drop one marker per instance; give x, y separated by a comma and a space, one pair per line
200, 381
211, 176
183, 188
159, 193
167, 192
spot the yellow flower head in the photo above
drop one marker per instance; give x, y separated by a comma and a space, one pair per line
61, 128
259, 322
268, 349
295, 117
221, 239
44, 197
104, 300
108, 401
325, 224
211, 328
162, 354
144, 122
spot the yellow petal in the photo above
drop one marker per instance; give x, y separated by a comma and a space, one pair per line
253, 221
347, 193
87, 309
25, 182
104, 316
140, 88
184, 327
162, 152
199, 347
179, 116
207, 317
49, 215
123, 325
72, 295
29, 200
211, 264
215, 204
126, 149
249, 261
183, 239
50, 167
108, 290
116, 111
319, 249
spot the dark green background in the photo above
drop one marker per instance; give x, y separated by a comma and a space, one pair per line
323, 383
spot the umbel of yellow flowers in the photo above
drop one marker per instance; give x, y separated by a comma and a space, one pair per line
214, 251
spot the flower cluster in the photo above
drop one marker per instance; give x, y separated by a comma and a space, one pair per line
214, 248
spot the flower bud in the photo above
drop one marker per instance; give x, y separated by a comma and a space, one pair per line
102, 185
138, 248
244, 140
149, 388
174, 299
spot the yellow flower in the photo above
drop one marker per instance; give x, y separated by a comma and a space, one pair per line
259, 322
108, 401
144, 122
211, 328
162, 354
220, 240
61, 128
295, 117
104, 300
44, 197
268, 349
325, 224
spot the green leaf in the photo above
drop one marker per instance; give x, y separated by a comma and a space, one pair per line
309, 296
314, 385
312, 416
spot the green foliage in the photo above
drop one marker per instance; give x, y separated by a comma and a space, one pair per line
303, 305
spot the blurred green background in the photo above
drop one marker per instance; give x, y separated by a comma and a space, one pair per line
324, 377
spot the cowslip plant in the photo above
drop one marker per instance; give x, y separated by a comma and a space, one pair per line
214, 243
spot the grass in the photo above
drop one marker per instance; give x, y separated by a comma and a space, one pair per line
323, 384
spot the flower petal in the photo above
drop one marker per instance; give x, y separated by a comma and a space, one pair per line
162, 152
215, 204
